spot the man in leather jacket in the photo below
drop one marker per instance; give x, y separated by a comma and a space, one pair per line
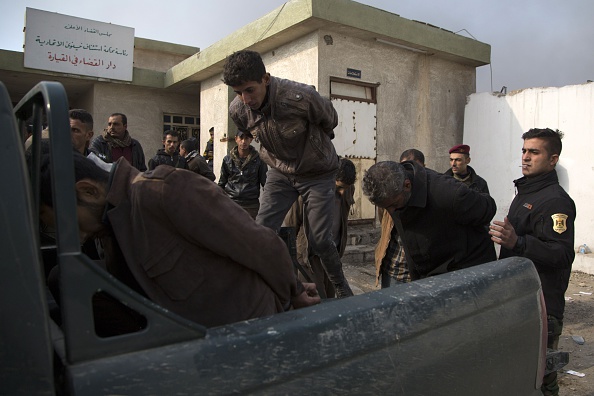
242, 174
294, 125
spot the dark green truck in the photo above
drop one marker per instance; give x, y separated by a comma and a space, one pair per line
479, 331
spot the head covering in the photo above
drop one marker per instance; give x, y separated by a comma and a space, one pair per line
241, 133
211, 129
460, 149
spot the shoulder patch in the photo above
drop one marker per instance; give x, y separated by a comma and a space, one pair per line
559, 222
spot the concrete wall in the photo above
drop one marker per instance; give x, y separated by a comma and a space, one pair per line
144, 108
421, 98
493, 128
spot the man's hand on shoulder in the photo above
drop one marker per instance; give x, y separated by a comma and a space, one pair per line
309, 297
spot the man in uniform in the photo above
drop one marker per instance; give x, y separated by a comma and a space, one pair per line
461, 171
540, 226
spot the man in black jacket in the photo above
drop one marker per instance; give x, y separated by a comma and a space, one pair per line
168, 155
441, 221
540, 226
461, 171
243, 173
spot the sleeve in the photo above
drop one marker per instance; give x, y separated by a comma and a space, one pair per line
224, 176
142, 161
262, 173
246, 243
551, 242
204, 169
321, 112
472, 207
151, 164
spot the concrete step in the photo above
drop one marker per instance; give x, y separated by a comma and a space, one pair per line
359, 255
363, 234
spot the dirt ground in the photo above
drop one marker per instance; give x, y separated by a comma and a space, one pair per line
578, 321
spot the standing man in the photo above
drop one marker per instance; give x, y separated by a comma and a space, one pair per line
440, 221
116, 142
81, 128
209, 149
540, 226
242, 174
461, 171
196, 163
294, 126
343, 201
390, 259
168, 155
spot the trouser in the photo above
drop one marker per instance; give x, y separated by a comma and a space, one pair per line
549, 382
280, 191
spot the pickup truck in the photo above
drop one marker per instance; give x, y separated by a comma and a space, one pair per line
479, 331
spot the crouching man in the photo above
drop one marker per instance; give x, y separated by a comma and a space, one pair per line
156, 242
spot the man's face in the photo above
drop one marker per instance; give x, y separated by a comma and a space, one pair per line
81, 135
89, 210
253, 93
397, 201
459, 163
170, 143
341, 187
243, 142
536, 159
115, 127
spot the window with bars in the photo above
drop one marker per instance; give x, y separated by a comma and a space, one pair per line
187, 126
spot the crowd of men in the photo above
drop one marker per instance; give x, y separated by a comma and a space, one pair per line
153, 235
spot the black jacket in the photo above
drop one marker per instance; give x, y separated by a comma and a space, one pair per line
100, 147
476, 182
242, 180
162, 158
541, 205
443, 224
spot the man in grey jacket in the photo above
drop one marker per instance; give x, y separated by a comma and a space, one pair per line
294, 126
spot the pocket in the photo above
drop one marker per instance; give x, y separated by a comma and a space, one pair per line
174, 271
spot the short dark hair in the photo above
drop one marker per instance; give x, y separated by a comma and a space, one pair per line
83, 116
188, 145
171, 132
346, 171
414, 155
243, 66
383, 180
84, 168
124, 118
552, 138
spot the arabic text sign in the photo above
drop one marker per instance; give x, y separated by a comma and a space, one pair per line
67, 44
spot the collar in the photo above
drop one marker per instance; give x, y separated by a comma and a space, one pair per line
418, 177
532, 184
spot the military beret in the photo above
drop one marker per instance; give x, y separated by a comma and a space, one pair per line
461, 149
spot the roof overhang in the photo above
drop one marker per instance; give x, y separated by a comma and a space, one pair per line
297, 18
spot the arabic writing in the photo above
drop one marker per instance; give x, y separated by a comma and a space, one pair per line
75, 60
73, 45
86, 30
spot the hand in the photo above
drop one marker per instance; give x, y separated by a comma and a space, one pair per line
503, 233
309, 297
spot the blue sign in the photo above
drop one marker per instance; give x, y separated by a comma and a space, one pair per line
354, 73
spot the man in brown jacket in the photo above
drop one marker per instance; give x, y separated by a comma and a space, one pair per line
294, 125
181, 255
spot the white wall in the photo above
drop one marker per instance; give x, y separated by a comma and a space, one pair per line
493, 126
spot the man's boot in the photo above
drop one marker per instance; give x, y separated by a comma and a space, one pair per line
333, 266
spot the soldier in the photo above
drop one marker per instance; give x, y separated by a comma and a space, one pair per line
540, 226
